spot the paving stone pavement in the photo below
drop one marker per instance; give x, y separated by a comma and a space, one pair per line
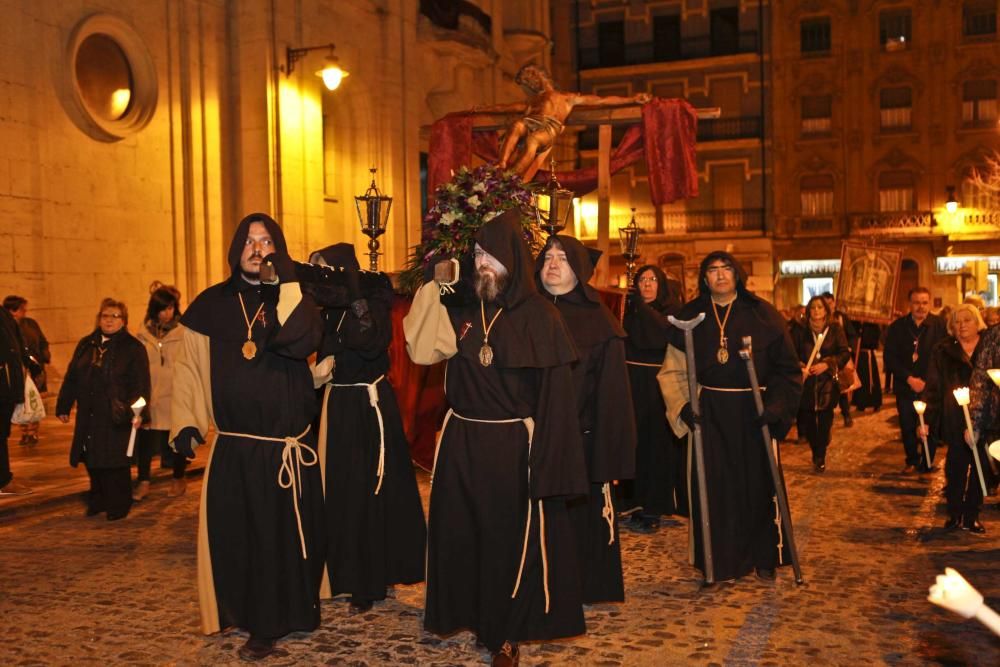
80, 591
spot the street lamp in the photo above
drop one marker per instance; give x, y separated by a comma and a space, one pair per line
951, 204
332, 73
374, 218
629, 238
553, 204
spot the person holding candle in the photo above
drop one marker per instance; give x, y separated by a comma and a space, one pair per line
822, 349
109, 371
161, 336
908, 346
950, 367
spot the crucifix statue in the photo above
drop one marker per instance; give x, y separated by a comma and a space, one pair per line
530, 138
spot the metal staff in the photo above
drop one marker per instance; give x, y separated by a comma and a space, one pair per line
687, 326
779, 486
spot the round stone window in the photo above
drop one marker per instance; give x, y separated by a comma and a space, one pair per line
112, 83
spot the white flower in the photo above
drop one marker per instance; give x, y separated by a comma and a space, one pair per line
489, 216
448, 218
479, 187
473, 201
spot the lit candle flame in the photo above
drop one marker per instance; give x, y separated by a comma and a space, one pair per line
994, 374
994, 449
920, 407
954, 593
139, 404
962, 395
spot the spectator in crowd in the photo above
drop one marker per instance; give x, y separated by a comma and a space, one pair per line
38, 353
109, 371
992, 316
161, 336
12, 361
976, 301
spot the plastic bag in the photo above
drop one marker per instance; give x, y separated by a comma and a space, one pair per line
32, 410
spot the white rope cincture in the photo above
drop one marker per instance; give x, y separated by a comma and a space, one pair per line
372, 388
642, 363
777, 522
608, 513
289, 477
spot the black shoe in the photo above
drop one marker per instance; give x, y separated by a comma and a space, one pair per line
256, 649
115, 516
848, 422
953, 523
508, 656
360, 605
91, 511
645, 524
765, 574
909, 469
974, 527
819, 466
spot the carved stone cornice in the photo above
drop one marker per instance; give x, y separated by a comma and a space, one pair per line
896, 76
895, 159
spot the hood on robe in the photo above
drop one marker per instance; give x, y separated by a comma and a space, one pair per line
582, 260
503, 237
741, 274
340, 255
240, 238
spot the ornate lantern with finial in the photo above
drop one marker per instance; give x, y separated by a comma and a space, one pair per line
553, 204
629, 237
374, 217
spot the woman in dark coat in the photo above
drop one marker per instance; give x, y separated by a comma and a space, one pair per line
660, 458
820, 391
108, 373
950, 367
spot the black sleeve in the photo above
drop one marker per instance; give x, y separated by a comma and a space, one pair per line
300, 335
615, 432
897, 356
840, 353
784, 383
69, 391
369, 336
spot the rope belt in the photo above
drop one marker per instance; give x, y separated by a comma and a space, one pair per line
608, 513
731, 390
289, 477
642, 363
529, 424
373, 401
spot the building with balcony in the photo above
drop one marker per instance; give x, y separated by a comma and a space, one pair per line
714, 54
881, 111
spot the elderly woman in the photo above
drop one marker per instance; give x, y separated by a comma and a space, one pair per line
161, 336
950, 367
821, 361
108, 372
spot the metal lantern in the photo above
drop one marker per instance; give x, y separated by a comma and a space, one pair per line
374, 217
629, 237
553, 204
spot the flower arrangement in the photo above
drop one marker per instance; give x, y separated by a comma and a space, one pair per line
461, 206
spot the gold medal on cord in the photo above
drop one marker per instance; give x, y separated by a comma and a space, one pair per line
249, 347
722, 355
486, 352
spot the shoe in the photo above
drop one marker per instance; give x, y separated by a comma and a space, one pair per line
177, 487
15, 489
643, 524
974, 527
32, 440
953, 523
909, 469
848, 421
116, 516
765, 574
141, 491
256, 649
25, 440
508, 656
360, 605
819, 466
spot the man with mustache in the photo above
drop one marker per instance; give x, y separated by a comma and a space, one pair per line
242, 368
742, 510
501, 559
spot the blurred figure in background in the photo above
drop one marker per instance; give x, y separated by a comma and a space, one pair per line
38, 353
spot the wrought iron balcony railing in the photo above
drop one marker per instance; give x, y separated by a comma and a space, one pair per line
715, 220
688, 48
889, 222
716, 129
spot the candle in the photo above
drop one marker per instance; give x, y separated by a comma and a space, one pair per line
994, 374
819, 344
962, 397
995, 449
955, 594
136, 410
921, 407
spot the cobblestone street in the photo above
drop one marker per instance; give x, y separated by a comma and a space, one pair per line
77, 590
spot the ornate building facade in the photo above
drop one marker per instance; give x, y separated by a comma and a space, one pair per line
137, 134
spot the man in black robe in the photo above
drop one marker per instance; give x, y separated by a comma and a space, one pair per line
376, 534
604, 405
908, 345
660, 459
501, 557
242, 369
741, 495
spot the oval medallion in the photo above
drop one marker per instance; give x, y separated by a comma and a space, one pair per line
249, 350
722, 355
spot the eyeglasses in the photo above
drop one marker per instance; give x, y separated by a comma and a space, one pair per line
716, 270
111, 316
646, 281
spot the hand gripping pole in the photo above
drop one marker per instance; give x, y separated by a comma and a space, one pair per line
687, 326
779, 486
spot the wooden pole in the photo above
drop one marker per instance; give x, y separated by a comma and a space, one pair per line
603, 202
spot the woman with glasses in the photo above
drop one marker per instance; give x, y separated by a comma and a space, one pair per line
108, 373
161, 336
822, 350
660, 460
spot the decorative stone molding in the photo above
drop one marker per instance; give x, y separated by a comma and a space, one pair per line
142, 95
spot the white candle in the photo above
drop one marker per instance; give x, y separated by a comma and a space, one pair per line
136, 410
819, 344
921, 407
995, 449
954, 593
994, 374
962, 397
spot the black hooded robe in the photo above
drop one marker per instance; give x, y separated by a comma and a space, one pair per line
607, 425
376, 533
506, 462
869, 395
251, 569
660, 486
741, 498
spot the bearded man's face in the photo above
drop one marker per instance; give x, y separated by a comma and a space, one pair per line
491, 275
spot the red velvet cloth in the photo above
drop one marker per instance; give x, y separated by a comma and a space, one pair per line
666, 137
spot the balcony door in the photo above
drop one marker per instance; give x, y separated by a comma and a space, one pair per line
727, 196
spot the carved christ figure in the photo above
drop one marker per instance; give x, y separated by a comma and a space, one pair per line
530, 139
